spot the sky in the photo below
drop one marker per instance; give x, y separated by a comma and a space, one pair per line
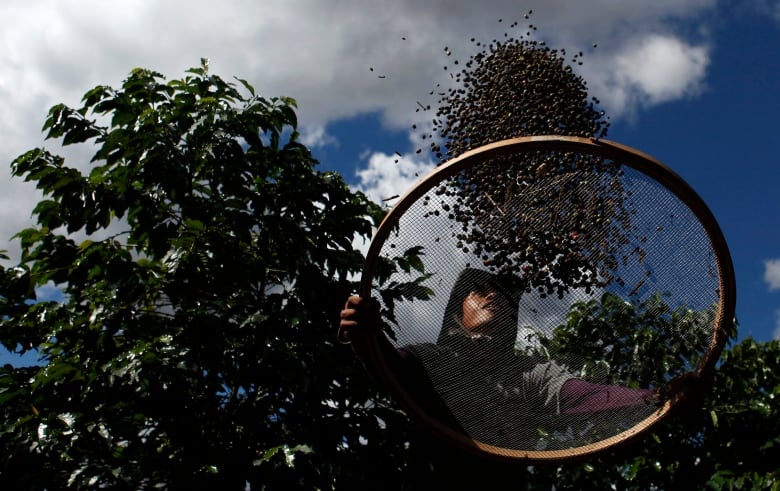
694, 84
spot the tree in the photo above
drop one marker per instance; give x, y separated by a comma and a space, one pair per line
195, 346
727, 438
612, 336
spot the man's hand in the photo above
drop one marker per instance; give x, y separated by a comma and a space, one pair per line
687, 387
360, 317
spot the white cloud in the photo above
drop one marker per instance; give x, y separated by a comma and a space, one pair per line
663, 68
769, 8
772, 274
650, 69
315, 136
776, 332
386, 177
320, 53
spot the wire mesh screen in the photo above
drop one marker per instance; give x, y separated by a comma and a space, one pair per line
540, 297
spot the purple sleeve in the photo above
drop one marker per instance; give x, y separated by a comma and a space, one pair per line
403, 354
579, 396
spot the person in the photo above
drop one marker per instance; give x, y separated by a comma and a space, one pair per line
472, 380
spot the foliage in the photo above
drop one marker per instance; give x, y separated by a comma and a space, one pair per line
195, 345
610, 340
638, 344
727, 439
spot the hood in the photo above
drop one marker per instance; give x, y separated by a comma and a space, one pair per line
452, 331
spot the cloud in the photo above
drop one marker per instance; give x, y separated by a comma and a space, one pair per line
769, 8
663, 68
772, 274
776, 332
320, 53
315, 136
651, 69
384, 178
772, 279
388, 176
49, 292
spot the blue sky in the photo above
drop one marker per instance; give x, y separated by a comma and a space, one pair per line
694, 84
722, 141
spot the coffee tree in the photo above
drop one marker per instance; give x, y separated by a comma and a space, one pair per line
203, 260
726, 437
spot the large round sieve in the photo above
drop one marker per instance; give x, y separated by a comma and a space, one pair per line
540, 295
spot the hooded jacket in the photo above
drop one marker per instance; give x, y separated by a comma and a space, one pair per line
478, 377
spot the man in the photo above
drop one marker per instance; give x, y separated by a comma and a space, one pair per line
472, 381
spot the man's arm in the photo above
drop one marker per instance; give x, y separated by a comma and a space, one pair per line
579, 396
360, 319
